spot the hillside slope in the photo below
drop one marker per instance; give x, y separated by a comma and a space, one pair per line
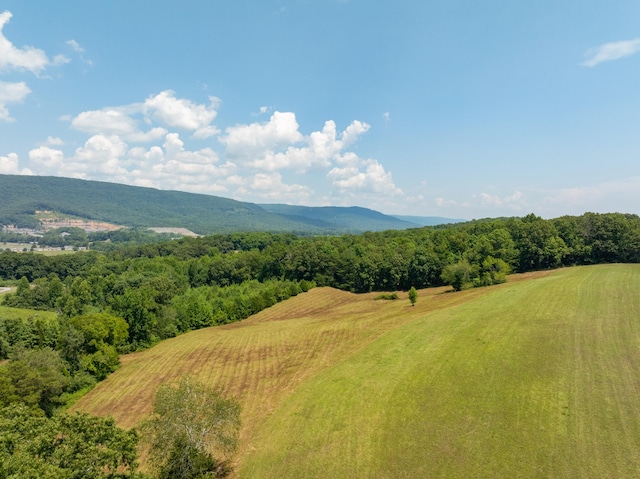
532, 378
21, 196
350, 219
134, 206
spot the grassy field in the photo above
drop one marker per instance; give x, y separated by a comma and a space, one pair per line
13, 313
26, 247
533, 378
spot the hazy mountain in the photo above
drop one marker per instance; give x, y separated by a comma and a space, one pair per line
22, 196
429, 220
347, 219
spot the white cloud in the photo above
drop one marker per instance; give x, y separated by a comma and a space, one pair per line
269, 187
611, 51
26, 58
271, 146
261, 111
256, 139
11, 93
165, 108
101, 154
53, 141
75, 46
101, 157
60, 60
353, 132
116, 121
9, 165
47, 160
182, 113
250, 167
79, 50
515, 201
371, 177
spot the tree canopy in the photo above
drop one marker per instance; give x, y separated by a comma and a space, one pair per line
192, 430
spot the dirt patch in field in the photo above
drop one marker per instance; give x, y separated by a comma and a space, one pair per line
177, 231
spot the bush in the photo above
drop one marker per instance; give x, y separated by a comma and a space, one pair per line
387, 296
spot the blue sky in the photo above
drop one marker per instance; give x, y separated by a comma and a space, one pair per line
435, 108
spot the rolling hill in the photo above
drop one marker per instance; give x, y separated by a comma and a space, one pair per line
533, 378
22, 196
348, 219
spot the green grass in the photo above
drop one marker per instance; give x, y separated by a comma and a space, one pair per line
26, 247
13, 313
534, 379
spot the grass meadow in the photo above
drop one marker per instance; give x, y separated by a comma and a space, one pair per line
537, 377
25, 314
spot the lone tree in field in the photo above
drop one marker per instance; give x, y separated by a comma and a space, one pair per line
413, 296
192, 431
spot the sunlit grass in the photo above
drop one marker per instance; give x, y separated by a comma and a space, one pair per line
533, 378
30, 314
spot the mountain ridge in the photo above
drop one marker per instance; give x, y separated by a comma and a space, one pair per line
136, 206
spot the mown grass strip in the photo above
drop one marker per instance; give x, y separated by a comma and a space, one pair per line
533, 379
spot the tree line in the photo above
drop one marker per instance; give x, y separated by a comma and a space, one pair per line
129, 298
390, 260
132, 297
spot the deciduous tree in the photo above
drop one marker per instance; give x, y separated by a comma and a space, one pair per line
192, 431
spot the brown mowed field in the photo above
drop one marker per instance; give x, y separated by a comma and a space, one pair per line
264, 358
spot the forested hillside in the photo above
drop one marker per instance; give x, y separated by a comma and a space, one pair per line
151, 286
347, 219
22, 196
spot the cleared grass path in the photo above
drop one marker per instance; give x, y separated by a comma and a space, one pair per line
535, 379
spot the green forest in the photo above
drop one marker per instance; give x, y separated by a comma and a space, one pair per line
103, 304
23, 196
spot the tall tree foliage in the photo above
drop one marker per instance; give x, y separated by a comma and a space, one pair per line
192, 431
64, 446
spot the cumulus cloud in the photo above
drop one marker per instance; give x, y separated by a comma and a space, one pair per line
273, 146
26, 58
250, 141
116, 121
11, 93
100, 158
163, 108
370, 177
14, 59
175, 167
611, 51
269, 187
182, 113
260, 161
47, 160
9, 165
